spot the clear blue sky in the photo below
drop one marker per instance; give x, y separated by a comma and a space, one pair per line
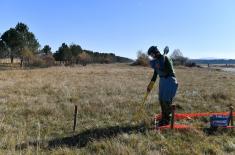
199, 28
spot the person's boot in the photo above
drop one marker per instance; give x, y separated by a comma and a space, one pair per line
161, 121
166, 113
165, 120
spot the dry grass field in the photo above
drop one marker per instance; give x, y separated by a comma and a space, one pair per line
37, 106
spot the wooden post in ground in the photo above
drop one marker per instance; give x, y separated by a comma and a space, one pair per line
231, 115
172, 116
75, 117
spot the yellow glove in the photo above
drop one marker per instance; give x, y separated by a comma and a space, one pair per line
150, 86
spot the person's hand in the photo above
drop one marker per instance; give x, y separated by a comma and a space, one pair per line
150, 86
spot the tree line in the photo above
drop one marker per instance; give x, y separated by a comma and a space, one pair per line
74, 54
20, 43
176, 57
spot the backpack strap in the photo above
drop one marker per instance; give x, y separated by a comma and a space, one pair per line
167, 67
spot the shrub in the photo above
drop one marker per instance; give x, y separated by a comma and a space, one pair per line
37, 62
49, 60
180, 60
42, 61
190, 64
142, 59
84, 58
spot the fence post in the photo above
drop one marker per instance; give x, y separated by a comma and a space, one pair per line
231, 115
172, 116
75, 118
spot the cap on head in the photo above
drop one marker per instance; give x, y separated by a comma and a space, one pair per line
153, 49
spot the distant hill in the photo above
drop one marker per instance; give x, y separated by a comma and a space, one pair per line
123, 59
213, 61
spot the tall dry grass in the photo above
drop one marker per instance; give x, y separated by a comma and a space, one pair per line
36, 107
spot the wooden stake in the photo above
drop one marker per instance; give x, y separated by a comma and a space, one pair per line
75, 118
172, 116
231, 115
155, 122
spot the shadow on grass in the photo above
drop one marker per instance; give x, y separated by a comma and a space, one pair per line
82, 139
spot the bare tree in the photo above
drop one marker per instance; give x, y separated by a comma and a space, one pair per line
178, 57
176, 53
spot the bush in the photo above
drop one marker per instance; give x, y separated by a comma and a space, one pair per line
84, 58
142, 59
37, 62
49, 60
190, 64
42, 61
179, 60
